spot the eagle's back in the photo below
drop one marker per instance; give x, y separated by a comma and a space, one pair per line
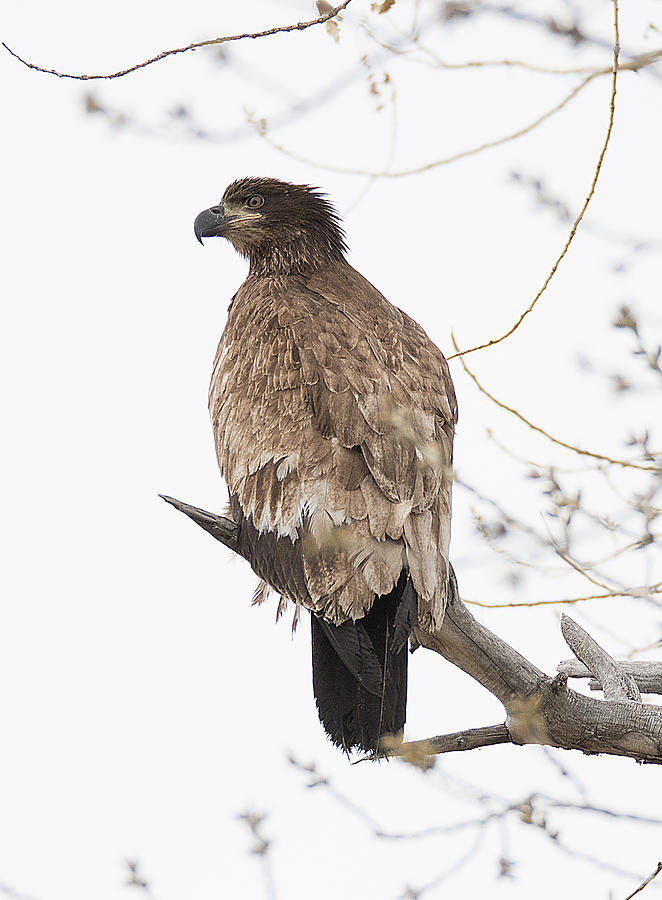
333, 416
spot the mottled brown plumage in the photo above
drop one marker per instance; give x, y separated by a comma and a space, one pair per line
333, 417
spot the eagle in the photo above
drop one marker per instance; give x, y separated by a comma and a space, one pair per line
333, 416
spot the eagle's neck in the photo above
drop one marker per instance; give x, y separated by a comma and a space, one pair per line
299, 256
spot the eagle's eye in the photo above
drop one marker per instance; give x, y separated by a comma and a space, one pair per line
255, 202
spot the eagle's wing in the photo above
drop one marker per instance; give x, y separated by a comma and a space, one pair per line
333, 415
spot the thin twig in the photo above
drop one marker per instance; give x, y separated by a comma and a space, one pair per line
645, 883
425, 167
469, 855
569, 600
596, 861
633, 66
639, 62
582, 211
576, 566
600, 456
211, 42
552, 803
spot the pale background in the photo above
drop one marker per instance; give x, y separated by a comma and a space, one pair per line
144, 703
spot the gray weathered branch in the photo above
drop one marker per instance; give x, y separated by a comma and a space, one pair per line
421, 752
540, 709
617, 684
647, 675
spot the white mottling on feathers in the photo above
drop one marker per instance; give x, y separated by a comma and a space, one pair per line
287, 461
313, 505
288, 464
263, 523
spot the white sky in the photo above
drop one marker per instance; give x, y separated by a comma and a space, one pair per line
145, 703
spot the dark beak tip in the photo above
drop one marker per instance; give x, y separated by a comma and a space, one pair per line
208, 224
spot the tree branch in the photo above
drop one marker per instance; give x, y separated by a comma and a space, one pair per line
617, 685
582, 211
418, 751
646, 882
647, 675
444, 161
540, 709
211, 42
624, 463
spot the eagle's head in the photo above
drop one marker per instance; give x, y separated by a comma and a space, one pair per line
280, 227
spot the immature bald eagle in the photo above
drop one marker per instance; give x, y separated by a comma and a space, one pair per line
333, 417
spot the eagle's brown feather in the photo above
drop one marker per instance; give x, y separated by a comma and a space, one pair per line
333, 408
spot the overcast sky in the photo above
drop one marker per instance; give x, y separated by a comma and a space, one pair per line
145, 703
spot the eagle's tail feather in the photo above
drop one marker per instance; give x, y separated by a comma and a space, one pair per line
353, 715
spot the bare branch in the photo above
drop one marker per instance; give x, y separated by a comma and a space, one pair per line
582, 211
617, 685
599, 456
561, 601
136, 879
633, 66
645, 883
575, 565
444, 161
211, 42
647, 675
552, 803
261, 847
417, 752
543, 710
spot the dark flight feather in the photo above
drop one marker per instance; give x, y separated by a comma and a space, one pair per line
333, 417
352, 714
351, 642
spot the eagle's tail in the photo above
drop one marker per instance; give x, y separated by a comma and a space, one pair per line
360, 671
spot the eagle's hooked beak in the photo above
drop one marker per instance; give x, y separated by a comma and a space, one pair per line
215, 221
210, 222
